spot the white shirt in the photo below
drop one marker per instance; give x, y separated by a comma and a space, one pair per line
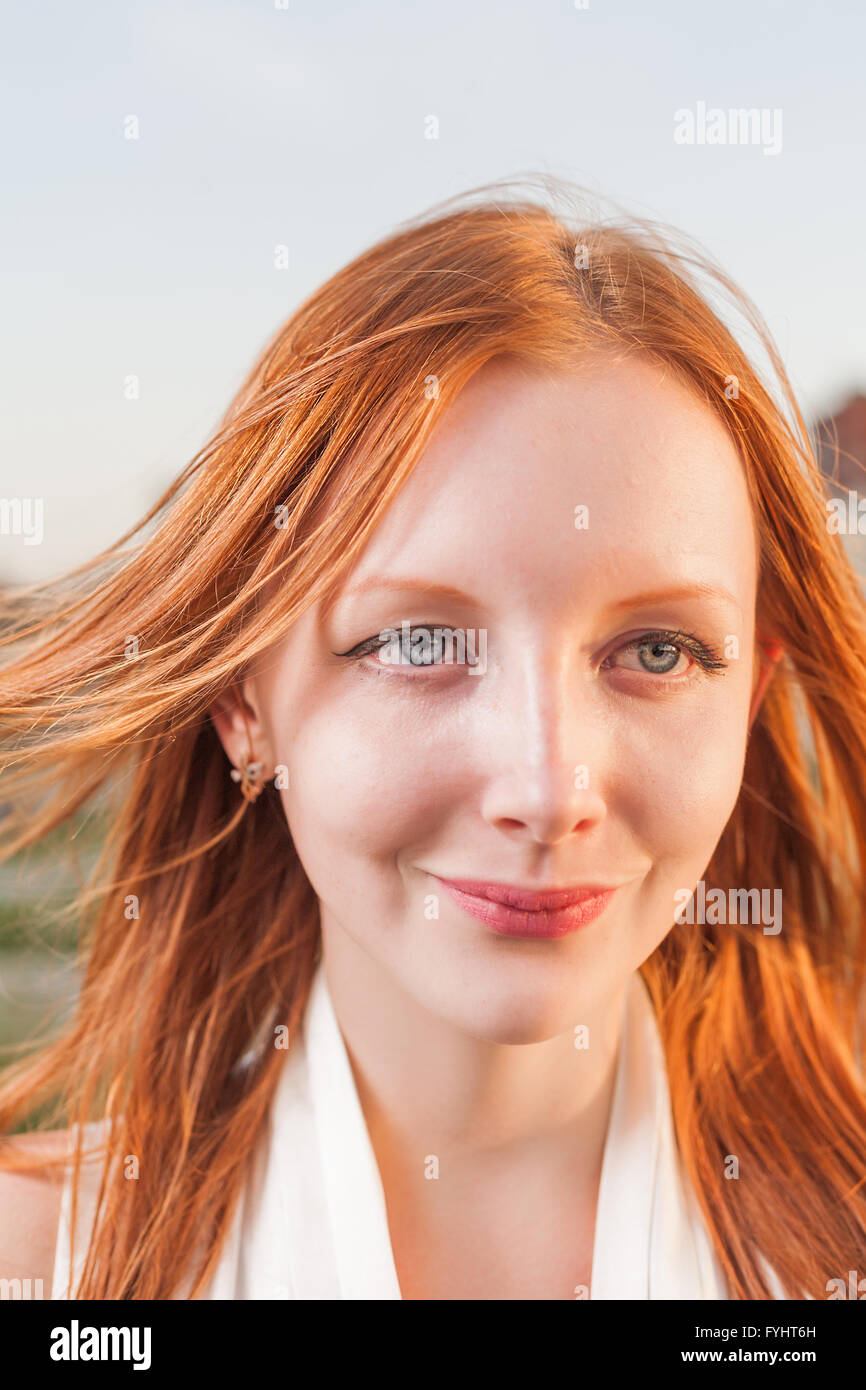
312, 1223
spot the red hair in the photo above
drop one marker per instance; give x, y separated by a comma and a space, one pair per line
760, 1032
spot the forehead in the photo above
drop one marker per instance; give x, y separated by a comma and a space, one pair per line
492, 500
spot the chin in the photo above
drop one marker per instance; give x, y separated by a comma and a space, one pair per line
518, 1006
518, 1031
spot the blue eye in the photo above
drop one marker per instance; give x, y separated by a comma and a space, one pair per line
428, 647
658, 657
659, 653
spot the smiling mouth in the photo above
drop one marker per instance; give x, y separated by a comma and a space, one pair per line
514, 911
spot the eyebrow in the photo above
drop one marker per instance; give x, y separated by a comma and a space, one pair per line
410, 584
679, 591
643, 600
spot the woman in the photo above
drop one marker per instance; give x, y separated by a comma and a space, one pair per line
482, 917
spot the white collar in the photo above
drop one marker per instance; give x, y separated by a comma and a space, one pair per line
650, 1241
313, 1221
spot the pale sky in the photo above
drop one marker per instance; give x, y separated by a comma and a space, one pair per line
304, 126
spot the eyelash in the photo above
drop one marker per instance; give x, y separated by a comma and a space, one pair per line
704, 653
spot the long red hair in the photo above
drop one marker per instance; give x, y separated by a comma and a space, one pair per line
760, 1032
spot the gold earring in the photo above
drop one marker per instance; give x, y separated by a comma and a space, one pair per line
249, 776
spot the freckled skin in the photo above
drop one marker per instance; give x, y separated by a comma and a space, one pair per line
392, 776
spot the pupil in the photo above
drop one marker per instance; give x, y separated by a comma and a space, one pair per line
663, 656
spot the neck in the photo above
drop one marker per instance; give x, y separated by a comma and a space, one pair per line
428, 1085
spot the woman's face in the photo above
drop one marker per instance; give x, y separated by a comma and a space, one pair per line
572, 756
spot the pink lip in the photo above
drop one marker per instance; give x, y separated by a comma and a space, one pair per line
513, 911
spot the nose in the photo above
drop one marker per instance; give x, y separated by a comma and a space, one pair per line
545, 780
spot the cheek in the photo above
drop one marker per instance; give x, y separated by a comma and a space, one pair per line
682, 775
365, 780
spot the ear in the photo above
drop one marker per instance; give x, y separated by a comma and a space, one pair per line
770, 654
233, 714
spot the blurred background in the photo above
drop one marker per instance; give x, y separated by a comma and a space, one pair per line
179, 175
